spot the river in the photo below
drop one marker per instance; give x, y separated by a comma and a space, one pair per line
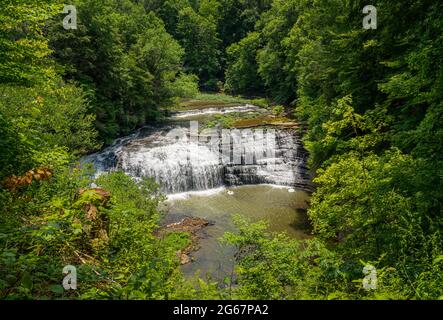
213, 174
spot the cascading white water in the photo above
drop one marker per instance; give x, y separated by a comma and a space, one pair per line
184, 164
172, 168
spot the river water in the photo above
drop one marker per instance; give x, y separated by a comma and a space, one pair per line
214, 174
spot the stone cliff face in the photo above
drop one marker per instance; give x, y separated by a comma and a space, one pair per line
285, 166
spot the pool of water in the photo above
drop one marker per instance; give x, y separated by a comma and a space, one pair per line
283, 208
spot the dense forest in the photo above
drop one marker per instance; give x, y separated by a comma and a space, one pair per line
370, 103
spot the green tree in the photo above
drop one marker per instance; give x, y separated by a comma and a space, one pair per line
124, 56
242, 71
24, 49
198, 36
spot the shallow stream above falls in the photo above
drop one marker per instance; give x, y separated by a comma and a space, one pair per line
213, 174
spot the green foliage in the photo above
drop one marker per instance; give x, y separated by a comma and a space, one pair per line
242, 72
198, 36
268, 267
371, 101
125, 58
278, 110
205, 29
130, 263
41, 233
14, 155
142, 266
238, 18
225, 121
24, 49
185, 86
48, 124
47, 224
262, 59
272, 266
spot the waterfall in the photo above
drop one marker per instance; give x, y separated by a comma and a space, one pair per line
286, 167
172, 167
182, 164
